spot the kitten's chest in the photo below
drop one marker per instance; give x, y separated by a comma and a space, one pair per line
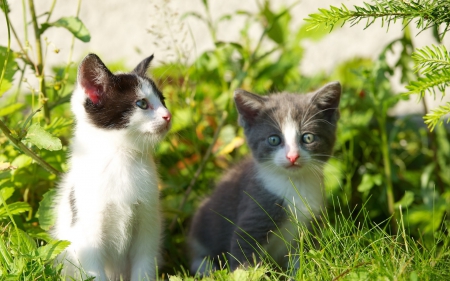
114, 177
301, 194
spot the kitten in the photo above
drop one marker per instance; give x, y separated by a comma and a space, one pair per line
108, 202
291, 137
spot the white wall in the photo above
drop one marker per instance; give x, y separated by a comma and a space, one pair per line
120, 28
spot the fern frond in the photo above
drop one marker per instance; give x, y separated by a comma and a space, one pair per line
427, 13
431, 59
436, 115
430, 82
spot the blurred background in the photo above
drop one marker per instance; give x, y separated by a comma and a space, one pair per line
127, 32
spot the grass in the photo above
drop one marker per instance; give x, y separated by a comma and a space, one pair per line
339, 248
334, 248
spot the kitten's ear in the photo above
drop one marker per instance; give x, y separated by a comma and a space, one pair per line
248, 105
94, 77
142, 67
327, 98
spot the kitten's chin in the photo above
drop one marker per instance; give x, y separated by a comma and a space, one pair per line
293, 169
289, 168
156, 133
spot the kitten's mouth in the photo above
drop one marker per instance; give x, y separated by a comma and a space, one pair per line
293, 166
163, 129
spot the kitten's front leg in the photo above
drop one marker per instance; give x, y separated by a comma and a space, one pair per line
145, 247
84, 262
85, 255
250, 232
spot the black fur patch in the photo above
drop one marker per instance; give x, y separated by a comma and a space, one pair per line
117, 105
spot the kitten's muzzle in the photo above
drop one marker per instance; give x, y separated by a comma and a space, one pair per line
167, 116
292, 157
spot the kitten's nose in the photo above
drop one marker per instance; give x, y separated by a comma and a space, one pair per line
167, 116
292, 157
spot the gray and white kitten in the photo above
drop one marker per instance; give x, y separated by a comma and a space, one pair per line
291, 137
108, 202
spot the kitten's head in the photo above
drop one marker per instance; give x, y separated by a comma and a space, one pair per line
290, 132
128, 101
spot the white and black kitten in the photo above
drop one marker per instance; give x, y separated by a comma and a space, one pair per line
291, 137
108, 202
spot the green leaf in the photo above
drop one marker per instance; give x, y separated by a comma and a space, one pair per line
25, 244
431, 59
5, 111
435, 117
73, 24
14, 209
41, 235
42, 139
45, 212
5, 254
184, 117
193, 14
315, 35
11, 69
22, 161
51, 250
369, 181
430, 82
278, 24
5, 7
225, 17
429, 218
6, 193
406, 200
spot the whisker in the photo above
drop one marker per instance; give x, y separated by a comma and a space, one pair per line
320, 111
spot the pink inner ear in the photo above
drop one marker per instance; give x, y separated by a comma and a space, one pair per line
93, 94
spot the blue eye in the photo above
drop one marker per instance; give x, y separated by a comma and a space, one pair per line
143, 104
274, 140
308, 138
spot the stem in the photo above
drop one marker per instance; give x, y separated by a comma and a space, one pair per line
25, 21
388, 172
26, 150
199, 170
22, 74
25, 53
50, 12
8, 49
66, 70
349, 270
40, 65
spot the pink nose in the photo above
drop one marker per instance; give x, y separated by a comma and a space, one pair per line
167, 116
292, 157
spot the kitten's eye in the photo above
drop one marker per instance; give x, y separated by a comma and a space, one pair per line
308, 138
143, 104
274, 140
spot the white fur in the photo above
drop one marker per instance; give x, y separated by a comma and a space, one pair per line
299, 184
115, 183
291, 138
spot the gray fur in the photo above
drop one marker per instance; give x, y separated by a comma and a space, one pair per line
73, 207
241, 212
